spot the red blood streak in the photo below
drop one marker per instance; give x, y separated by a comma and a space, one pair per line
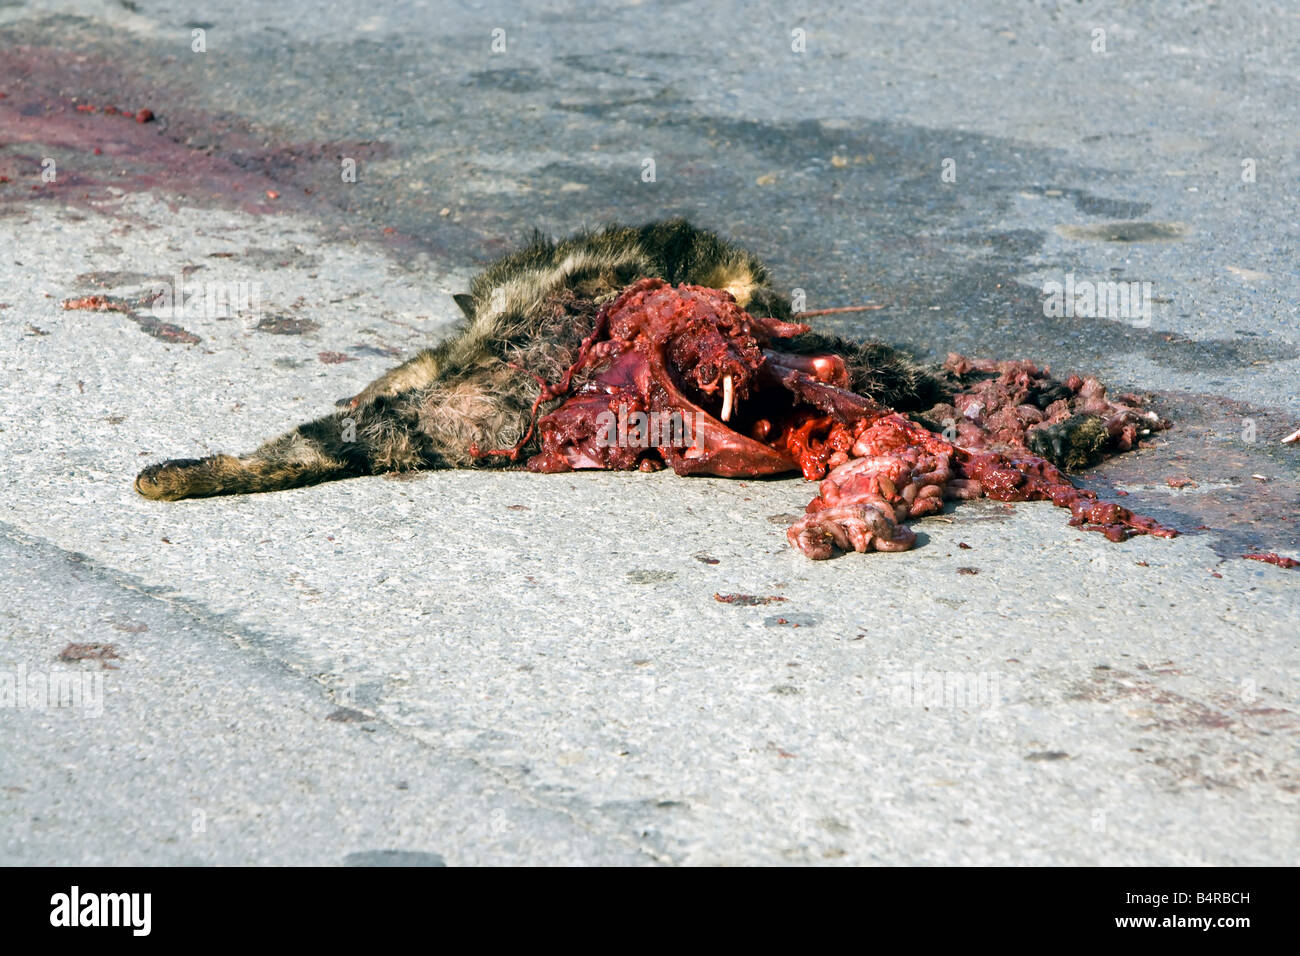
1272, 558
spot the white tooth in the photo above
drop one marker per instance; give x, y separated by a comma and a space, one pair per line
728, 396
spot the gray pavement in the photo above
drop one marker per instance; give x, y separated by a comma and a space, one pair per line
510, 668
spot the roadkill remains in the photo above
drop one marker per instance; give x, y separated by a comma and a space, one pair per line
570, 351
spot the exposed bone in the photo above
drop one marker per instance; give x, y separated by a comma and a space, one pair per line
1294, 436
728, 396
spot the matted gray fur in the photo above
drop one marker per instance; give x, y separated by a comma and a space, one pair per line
525, 317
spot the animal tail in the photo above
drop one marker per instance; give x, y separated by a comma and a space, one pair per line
377, 437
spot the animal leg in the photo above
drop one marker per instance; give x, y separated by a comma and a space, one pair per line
377, 437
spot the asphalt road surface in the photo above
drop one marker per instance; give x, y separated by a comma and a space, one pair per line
511, 668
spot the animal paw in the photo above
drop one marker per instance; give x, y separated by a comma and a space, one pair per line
193, 478
167, 480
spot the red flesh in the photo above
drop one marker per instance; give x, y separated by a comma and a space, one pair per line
1273, 558
660, 349
667, 350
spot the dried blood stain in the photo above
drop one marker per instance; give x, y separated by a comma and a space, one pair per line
91, 652
747, 600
